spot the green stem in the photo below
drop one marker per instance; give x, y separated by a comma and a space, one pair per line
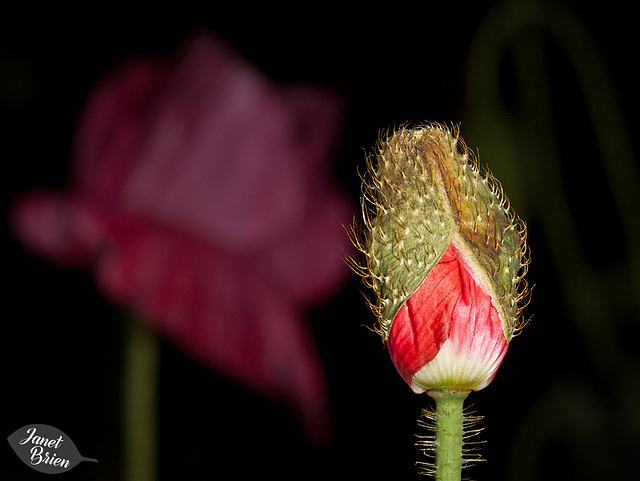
449, 433
140, 402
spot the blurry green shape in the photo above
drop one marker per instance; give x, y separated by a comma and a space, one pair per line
531, 139
523, 149
140, 402
558, 419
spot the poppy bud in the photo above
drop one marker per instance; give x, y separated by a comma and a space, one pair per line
445, 257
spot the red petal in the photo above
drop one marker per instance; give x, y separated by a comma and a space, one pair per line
112, 127
227, 154
215, 305
449, 303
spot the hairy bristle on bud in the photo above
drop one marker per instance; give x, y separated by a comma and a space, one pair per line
423, 192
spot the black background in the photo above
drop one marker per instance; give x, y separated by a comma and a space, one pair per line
61, 341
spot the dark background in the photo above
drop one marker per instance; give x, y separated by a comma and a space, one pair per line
563, 406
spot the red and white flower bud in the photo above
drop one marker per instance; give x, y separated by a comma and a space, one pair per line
445, 257
448, 333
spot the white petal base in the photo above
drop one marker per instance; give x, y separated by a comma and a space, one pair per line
469, 369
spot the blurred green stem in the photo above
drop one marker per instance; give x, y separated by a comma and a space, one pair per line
449, 431
520, 27
527, 142
140, 402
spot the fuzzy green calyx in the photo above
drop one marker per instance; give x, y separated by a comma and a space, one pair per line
424, 193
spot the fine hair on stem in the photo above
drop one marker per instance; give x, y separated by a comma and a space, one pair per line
427, 445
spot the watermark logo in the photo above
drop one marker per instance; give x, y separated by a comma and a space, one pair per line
46, 449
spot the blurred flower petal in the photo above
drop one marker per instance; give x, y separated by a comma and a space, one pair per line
203, 198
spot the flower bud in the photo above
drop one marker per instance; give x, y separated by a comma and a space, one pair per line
445, 257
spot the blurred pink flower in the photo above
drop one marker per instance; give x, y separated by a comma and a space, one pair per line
202, 197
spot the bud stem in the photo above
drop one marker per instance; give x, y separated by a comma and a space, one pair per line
449, 433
